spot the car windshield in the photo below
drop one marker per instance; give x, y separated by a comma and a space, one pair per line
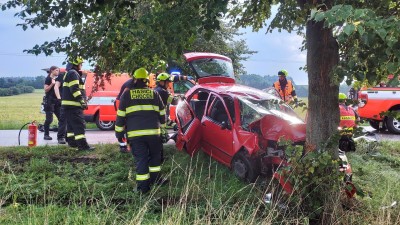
213, 67
254, 109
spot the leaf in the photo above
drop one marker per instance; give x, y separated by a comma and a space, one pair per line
319, 16
360, 30
349, 29
382, 33
392, 67
311, 170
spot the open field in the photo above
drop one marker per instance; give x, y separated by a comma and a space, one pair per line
15, 111
57, 185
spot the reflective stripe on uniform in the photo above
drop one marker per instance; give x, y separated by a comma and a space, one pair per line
70, 134
162, 112
347, 118
137, 108
155, 169
170, 98
74, 103
143, 176
77, 93
82, 87
79, 136
121, 113
137, 133
163, 125
72, 83
119, 129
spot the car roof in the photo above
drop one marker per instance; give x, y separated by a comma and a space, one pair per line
235, 90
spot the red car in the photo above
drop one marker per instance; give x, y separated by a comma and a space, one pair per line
237, 125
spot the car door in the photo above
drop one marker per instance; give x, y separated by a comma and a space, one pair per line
189, 130
217, 139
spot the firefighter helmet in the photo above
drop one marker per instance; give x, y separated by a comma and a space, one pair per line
283, 73
162, 66
342, 96
163, 77
78, 60
141, 73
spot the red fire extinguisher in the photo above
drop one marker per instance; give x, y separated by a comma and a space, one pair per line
32, 134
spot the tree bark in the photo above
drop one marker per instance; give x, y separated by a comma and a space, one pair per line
323, 110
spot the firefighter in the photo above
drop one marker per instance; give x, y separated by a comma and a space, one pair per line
348, 121
141, 113
285, 88
74, 102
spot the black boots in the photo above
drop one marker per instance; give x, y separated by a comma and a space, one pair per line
83, 145
71, 142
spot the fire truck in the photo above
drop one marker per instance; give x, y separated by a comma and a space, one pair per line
101, 108
374, 101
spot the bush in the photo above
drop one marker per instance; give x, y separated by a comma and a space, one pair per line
16, 90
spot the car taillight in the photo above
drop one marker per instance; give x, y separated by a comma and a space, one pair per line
362, 98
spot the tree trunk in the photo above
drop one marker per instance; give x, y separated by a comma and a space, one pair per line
323, 110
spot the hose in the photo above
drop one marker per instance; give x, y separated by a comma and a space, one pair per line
19, 134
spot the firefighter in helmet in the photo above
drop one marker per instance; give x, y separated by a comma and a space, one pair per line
285, 88
74, 102
142, 114
348, 121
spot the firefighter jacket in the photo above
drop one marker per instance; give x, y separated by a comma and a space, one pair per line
165, 95
141, 113
73, 90
288, 93
347, 117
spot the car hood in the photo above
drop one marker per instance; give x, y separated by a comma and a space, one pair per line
277, 124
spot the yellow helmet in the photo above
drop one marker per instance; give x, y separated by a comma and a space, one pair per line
78, 60
163, 77
342, 96
141, 73
283, 72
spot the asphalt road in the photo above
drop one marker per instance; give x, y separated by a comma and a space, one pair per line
94, 136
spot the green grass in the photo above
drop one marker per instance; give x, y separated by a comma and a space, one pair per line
58, 185
17, 110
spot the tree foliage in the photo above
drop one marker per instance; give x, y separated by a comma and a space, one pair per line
121, 35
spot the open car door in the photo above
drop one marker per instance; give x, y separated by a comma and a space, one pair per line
189, 130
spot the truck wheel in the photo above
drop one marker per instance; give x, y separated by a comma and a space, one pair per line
375, 124
393, 125
105, 125
244, 167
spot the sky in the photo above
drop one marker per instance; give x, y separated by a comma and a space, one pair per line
276, 50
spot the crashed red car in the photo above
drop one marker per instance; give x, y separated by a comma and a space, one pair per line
237, 125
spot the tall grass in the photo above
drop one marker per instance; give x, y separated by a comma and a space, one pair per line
58, 185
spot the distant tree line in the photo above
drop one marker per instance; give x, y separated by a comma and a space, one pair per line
262, 82
19, 85
35, 82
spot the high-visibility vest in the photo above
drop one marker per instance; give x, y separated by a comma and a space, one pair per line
286, 94
347, 117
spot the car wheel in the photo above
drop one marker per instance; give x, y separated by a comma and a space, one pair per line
244, 167
375, 124
104, 125
393, 125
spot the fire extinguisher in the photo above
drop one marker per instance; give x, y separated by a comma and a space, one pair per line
32, 134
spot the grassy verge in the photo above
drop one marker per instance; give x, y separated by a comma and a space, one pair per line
57, 185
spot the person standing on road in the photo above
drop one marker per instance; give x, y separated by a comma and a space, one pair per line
348, 121
52, 106
285, 88
74, 102
62, 123
141, 114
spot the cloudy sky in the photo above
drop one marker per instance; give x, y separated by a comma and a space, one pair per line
275, 50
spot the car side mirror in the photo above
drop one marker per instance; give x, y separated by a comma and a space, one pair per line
225, 125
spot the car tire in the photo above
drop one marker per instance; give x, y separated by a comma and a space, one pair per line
104, 125
393, 125
375, 124
245, 167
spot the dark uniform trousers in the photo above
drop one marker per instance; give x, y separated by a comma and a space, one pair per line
147, 156
75, 125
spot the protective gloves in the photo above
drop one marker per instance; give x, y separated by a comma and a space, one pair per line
164, 135
84, 104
